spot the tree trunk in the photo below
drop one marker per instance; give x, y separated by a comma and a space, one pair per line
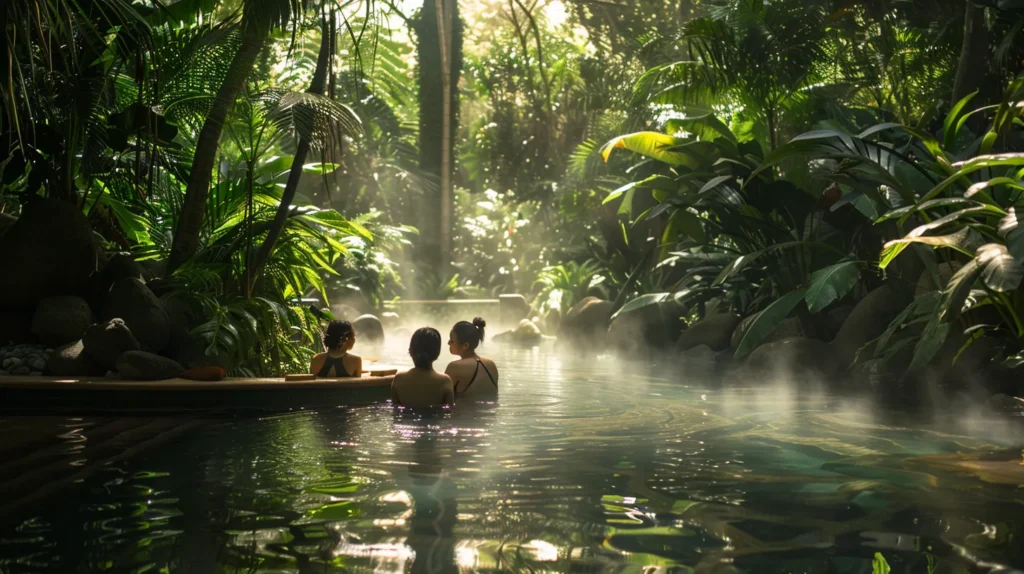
974, 58
193, 210
316, 86
431, 100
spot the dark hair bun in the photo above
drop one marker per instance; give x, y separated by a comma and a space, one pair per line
479, 322
338, 332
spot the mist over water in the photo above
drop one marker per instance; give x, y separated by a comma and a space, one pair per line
584, 463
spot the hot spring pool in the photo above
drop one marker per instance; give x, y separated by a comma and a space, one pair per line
581, 466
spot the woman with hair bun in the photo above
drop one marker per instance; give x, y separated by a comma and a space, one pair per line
337, 361
473, 375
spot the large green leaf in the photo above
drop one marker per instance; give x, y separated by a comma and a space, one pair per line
655, 146
966, 241
1000, 271
1011, 231
768, 320
641, 302
831, 284
948, 133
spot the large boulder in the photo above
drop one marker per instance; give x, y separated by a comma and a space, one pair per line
61, 320
587, 321
119, 266
131, 301
869, 319
786, 329
47, 251
796, 355
715, 332
832, 321
71, 360
368, 329
105, 342
143, 366
639, 331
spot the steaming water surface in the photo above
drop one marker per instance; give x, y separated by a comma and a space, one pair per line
581, 466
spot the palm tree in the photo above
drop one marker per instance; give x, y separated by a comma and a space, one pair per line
259, 17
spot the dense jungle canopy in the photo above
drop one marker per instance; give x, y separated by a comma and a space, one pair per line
729, 174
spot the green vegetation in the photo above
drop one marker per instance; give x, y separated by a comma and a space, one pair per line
776, 160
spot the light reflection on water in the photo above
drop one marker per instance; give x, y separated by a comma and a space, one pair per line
583, 465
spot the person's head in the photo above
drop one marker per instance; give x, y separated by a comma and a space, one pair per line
339, 335
425, 347
466, 336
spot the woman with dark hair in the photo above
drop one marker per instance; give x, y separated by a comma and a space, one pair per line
422, 386
472, 374
336, 361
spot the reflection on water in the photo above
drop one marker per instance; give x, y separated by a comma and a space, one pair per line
581, 466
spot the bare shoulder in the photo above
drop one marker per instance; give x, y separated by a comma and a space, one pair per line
443, 378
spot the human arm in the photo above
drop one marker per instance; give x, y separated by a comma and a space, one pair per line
395, 401
354, 366
317, 363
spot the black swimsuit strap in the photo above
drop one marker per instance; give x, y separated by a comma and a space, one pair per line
339, 367
472, 379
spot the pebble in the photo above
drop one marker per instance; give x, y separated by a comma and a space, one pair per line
24, 359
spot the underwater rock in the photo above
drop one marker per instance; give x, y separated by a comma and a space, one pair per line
587, 322
60, 320
48, 251
796, 355
105, 342
131, 301
71, 360
368, 328
144, 366
714, 331
869, 319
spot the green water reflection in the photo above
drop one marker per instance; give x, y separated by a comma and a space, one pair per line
580, 467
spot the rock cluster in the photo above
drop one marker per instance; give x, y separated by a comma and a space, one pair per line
24, 359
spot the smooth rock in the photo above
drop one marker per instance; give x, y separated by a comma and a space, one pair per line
61, 320
796, 355
714, 331
869, 319
832, 321
106, 341
48, 251
526, 334
639, 331
790, 327
119, 266
132, 302
71, 361
143, 366
368, 329
390, 319
587, 322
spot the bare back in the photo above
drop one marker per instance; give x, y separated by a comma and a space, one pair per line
474, 377
420, 388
